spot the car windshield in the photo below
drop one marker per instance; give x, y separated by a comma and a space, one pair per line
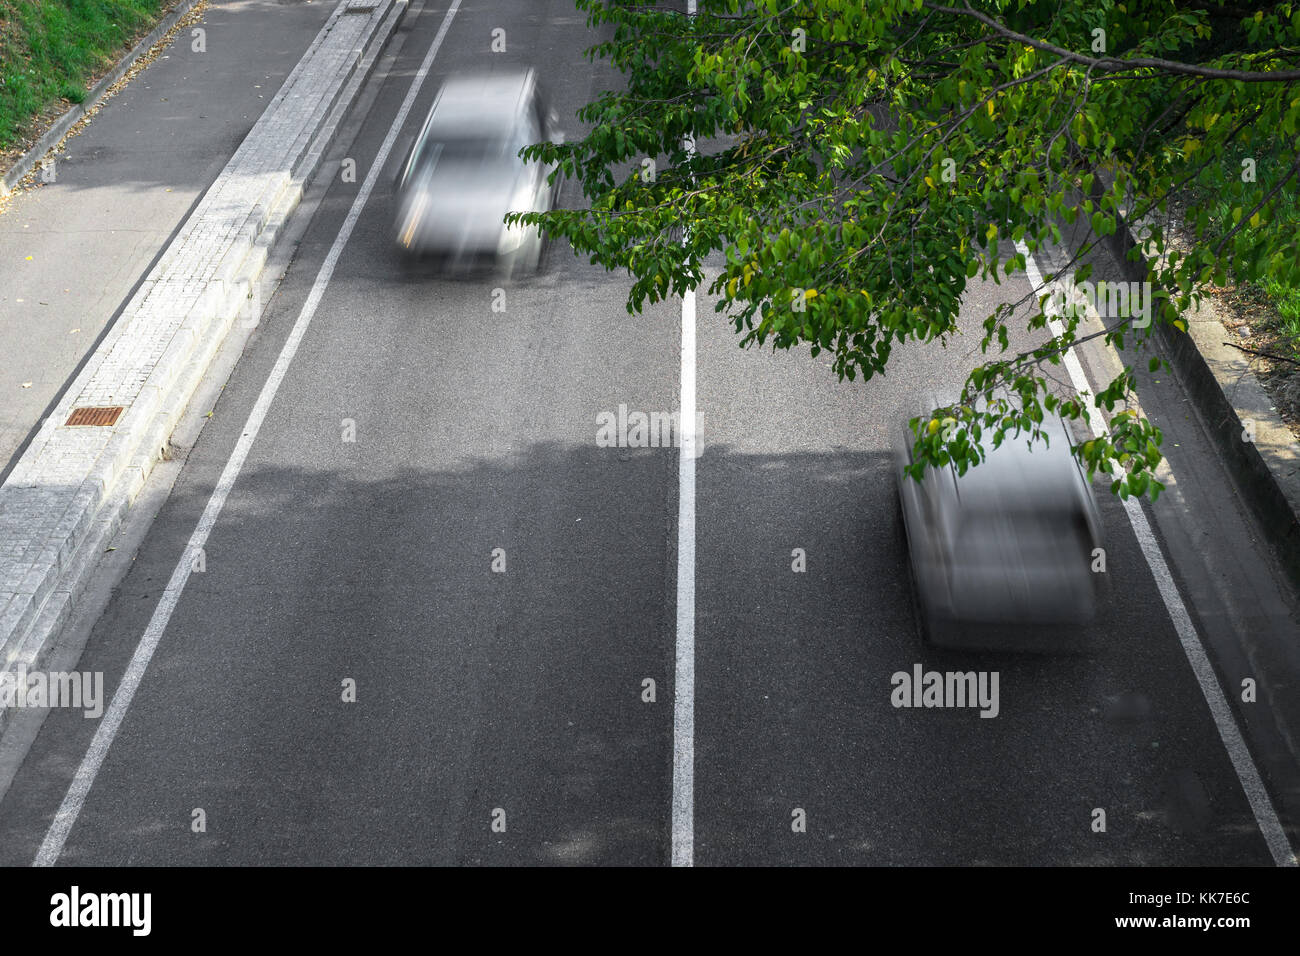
462, 151
473, 150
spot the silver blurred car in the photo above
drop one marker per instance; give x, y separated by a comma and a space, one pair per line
463, 174
1006, 546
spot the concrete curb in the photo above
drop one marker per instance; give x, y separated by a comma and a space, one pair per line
94, 96
1228, 396
69, 492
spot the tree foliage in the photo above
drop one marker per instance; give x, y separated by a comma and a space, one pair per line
860, 162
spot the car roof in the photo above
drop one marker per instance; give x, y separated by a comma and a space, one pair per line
481, 102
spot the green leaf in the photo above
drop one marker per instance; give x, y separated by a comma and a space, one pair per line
830, 169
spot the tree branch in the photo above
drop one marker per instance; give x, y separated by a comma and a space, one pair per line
1110, 64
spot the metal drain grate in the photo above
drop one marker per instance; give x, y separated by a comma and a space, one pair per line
95, 416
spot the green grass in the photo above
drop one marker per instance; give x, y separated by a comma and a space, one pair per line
1285, 301
50, 49
1282, 301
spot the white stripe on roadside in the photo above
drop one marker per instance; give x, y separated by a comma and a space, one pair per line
1247, 773
79, 789
684, 675
683, 837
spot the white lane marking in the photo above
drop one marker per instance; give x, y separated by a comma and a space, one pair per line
683, 839
684, 676
1247, 773
79, 789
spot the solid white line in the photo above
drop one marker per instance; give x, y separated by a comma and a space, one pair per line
1247, 773
79, 789
684, 677
683, 840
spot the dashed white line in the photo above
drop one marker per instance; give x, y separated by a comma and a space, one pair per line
79, 789
1266, 818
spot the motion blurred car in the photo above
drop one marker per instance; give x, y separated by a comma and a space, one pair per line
1006, 546
463, 174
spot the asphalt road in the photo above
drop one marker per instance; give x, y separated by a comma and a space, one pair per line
482, 692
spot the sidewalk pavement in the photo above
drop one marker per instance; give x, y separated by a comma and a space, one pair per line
73, 251
69, 490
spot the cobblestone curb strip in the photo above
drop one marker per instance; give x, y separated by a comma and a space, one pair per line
66, 496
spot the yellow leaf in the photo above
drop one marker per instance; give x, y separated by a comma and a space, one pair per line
810, 294
933, 426
1180, 325
929, 182
992, 231
1254, 220
989, 104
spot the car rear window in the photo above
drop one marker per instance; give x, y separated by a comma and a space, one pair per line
1027, 530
